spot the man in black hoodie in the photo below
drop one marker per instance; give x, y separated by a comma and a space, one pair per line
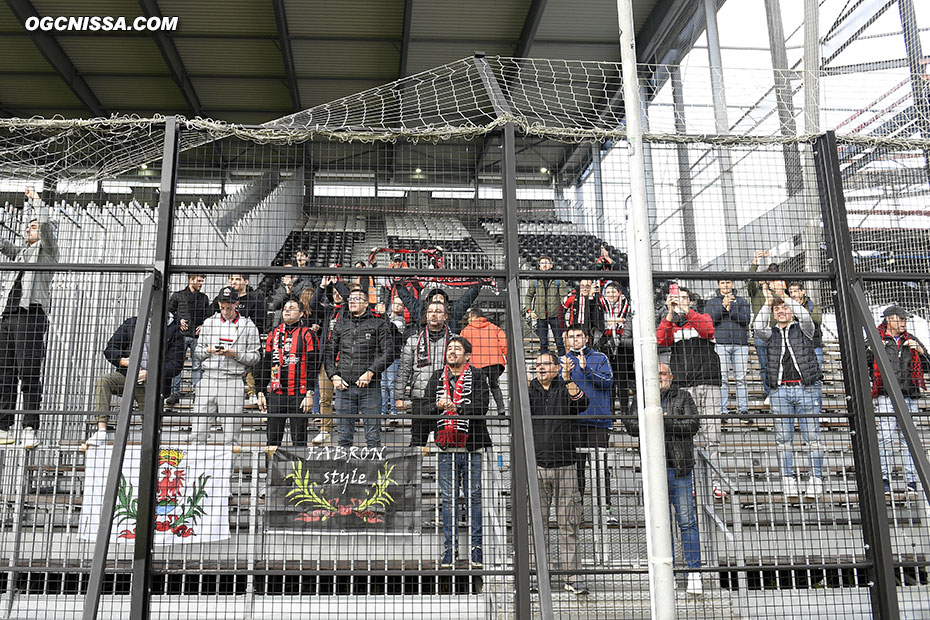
360, 347
553, 393
681, 423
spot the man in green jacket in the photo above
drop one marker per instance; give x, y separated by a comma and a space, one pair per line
543, 300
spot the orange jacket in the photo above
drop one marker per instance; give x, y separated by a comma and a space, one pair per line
488, 343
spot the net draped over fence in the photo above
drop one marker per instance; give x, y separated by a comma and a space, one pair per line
325, 447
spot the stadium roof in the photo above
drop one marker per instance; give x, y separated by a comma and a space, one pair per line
248, 61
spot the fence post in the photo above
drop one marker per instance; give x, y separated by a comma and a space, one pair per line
151, 421
863, 434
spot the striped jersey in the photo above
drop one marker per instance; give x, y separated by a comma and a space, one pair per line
294, 356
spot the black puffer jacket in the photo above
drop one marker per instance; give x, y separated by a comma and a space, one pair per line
681, 424
359, 344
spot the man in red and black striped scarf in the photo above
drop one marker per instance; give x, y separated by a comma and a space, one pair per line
910, 361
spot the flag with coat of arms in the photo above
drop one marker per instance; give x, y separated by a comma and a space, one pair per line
191, 494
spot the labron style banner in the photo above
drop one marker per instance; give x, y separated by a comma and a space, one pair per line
192, 494
334, 488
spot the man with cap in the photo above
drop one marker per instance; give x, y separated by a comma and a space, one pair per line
909, 358
228, 347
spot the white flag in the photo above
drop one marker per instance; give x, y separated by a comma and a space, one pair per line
191, 494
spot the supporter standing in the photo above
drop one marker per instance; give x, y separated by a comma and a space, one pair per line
27, 295
793, 375
591, 371
909, 358
360, 348
489, 352
694, 363
756, 292
424, 352
388, 405
582, 306
555, 403
542, 303
191, 307
616, 341
228, 347
461, 396
731, 315
287, 376
327, 305
680, 417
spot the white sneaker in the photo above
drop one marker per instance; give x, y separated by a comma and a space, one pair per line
6, 438
814, 487
99, 438
321, 437
29, 439
767, 401
789, 486
431, 437
695, 585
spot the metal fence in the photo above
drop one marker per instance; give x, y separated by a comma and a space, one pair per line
237, 203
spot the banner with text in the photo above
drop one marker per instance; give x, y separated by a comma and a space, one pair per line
191, 494
374, 490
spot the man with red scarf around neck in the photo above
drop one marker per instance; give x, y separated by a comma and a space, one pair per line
462, 398
287, 376
910, 361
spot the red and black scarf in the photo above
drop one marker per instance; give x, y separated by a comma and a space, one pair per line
453, 429
915, 368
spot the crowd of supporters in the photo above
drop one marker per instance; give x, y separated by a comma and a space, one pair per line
389, 352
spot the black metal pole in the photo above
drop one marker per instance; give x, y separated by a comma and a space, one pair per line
105, 527
151, 421
524, 487
864, 437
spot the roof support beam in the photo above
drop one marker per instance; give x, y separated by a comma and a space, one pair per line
56, 56
287, 55
173, 59
530, 26
405, 39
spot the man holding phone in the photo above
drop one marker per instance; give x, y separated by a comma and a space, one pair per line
228, 347
695, 364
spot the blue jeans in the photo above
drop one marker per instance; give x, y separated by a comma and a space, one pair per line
387, 390
888, 432
454, 467
681, 496
364, 402
762, 354
735, 356
789, 401
196, 372
542, 330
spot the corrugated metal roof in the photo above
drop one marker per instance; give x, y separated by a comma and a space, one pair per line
346, 18
17, 54
361, 59
231, 57
317, 92
35, 91
561, 21
232, 53
243, 93
114, 54
150, 93
238, 17
476, 19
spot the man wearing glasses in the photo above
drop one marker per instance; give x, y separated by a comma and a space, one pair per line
360, 348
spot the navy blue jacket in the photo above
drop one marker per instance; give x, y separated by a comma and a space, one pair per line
120, 345
730, 326
595, 381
